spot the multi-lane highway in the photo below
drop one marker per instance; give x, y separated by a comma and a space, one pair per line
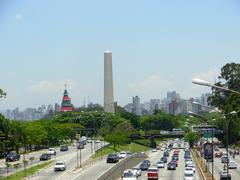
69, 157
218, 167
168, 174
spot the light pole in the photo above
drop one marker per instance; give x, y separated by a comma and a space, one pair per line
205, 83
227, 135
212, 134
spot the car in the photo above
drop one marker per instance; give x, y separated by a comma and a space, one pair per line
60, 166
52, 151
12, 156
232, 165
154, 150
175, 161
80, 146
218, 154
112, 158
175, 158
189, 161
164, 159
171, 166
45, 157
166, 153
137, 171
160, 164
224, 159
129, 175
97, 141
89, 141
192, 166
224, 175
122, 154
144, 166
236, 152
64, 148
152, 173
147, 162
188, 174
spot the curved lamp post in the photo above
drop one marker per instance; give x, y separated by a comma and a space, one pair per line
205, 83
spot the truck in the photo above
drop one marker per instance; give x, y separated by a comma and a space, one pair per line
152, 173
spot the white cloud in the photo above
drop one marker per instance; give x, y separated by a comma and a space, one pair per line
18, 16
151, 85
51, 86
211, 75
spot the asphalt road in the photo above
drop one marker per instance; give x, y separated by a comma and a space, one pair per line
218, 167
70, 160
36, 160
168, 174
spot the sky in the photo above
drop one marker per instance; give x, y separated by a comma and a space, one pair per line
157, 46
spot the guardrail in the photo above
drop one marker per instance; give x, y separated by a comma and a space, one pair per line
116, 171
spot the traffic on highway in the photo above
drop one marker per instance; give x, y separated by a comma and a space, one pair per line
172, 161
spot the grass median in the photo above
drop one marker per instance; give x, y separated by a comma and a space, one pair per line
132, 147
30, 171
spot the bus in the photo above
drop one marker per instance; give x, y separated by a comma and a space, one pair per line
177, 131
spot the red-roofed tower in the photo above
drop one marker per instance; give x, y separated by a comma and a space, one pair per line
66, 102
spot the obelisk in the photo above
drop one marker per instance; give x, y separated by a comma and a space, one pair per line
108, 83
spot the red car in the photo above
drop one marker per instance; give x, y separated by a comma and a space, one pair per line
218, 154
152, 173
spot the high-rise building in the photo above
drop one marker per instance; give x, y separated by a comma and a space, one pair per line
108, 83
136, 106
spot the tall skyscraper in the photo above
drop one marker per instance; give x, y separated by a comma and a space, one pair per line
108, 83
136, 106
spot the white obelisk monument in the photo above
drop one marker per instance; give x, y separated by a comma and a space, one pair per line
108, 83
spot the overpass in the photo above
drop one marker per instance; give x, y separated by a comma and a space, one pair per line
153, 136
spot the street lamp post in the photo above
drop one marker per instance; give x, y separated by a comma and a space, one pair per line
212, 134
205, 83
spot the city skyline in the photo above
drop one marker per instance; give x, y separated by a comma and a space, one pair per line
157, 46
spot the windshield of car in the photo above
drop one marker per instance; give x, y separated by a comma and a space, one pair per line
128, 174
59, 163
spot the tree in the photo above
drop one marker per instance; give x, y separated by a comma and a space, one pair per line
117, 138
191, 137
227, 101
2, 94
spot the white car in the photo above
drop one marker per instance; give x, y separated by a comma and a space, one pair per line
189, 175
122, 154
232, 165
51, 151
97, 141
160, 164
129, 175
191, 165
154, 150
60, 166
137, 171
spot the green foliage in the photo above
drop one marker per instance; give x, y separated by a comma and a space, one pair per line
227, 101
2, 94
160, 121
191, 137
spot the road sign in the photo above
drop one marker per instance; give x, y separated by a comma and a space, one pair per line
208, 135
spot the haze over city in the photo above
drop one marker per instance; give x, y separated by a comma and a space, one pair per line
156, 47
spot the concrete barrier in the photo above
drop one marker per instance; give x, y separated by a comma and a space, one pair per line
116, 171
198, 166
